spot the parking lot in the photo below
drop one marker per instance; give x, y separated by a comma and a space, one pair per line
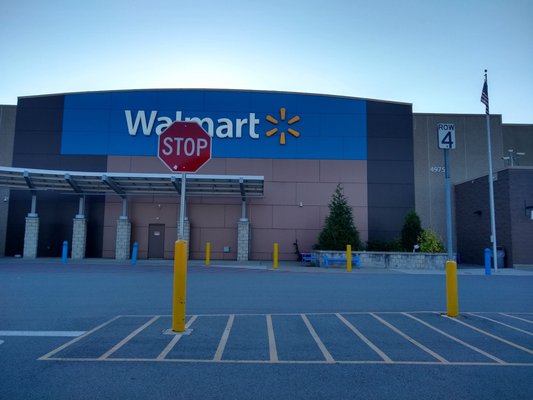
349, 338
99, 330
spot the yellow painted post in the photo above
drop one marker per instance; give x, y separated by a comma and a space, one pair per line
180, 286
207, 253
349, 257
275, 256
452, 300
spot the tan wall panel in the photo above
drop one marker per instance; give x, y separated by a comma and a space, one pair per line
206, 215
295, 170
215, 166
214, 215
110, 234
307, 238
246, 166
215, 200
356, 194
139, 234
318, 194
294, 217
153, 213
275, 217
232, 214
148, 165
113, 210
345, 171
119, 164
261, 216
218, 237
279, 193
263, 241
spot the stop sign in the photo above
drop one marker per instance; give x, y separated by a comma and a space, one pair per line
184, 147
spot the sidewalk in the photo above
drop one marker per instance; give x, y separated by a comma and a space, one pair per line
288, 266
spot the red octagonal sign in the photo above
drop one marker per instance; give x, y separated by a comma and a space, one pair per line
184, 147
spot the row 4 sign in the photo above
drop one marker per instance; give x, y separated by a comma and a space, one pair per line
446, 136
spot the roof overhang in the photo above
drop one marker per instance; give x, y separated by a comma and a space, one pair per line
126, 184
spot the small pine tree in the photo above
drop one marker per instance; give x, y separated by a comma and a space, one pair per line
412, 228
339, 229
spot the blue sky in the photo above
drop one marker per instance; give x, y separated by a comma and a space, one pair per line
430, 53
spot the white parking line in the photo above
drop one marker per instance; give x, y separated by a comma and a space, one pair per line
501, 323
42, 333
127, 339
175, 340
457, 340
319, 342
385, 357
410, 339
517, 346
315, 362
271, 340
55, 351
224, 339
312, 328
515, 317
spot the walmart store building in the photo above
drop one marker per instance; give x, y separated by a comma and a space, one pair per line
83, 167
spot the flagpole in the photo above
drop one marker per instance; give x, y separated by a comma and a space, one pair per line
491, 180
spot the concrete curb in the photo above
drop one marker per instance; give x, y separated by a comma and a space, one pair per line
286, 266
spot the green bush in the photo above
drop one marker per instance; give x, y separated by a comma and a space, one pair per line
430, 242
412, 229
382, 245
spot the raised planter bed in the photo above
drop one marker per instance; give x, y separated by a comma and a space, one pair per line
381, 259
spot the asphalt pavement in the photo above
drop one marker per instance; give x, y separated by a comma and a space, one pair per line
96, 329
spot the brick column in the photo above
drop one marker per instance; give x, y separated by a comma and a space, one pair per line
31, 236
122, 247
243, 239
79, 238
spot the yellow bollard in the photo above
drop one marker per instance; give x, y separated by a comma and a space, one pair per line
275, 256
452, 300
180, 286
207, 253
349, 257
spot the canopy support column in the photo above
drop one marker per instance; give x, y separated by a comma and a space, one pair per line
123, 239
31, 230
243, 234
79, 232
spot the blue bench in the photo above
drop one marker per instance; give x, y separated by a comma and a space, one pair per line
309, 258
356, 261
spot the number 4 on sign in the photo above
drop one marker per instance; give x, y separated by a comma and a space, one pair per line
447, 140
446, 136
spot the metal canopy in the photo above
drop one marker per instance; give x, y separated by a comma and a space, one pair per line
124, 184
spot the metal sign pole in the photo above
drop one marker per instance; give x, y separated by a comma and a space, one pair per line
182, 206
446, 141
448, 204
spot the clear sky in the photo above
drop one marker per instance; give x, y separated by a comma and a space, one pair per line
430, 53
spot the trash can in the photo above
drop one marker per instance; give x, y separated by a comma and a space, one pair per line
500, 257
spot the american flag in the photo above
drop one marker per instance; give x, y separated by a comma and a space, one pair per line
485, 96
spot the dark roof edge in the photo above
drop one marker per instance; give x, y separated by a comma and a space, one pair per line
216, 89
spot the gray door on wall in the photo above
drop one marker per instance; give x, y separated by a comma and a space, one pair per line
156, 241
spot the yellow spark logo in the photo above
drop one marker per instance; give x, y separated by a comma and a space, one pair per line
273, 131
